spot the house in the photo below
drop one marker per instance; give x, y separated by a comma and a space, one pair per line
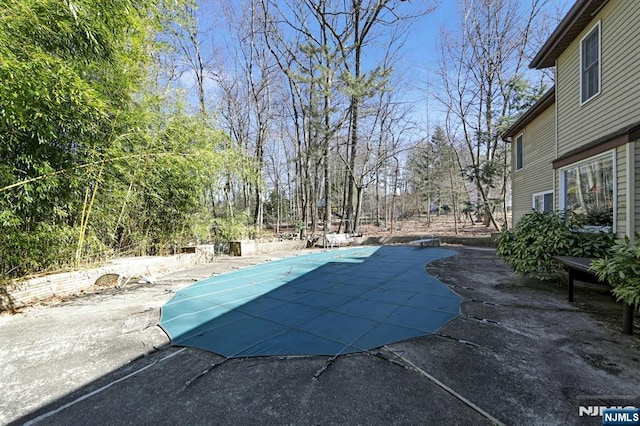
533, 140
578, 147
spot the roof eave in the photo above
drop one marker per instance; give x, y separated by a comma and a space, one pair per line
548, 99
576, 20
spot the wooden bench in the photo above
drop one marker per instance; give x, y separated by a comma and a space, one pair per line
333, 240
579, 268
427, 242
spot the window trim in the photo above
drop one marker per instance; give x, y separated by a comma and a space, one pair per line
520, 156
591, 30
541, 194
562, 184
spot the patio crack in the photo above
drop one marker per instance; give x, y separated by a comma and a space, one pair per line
446, 388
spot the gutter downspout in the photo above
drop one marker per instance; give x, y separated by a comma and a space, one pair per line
555, 72
556, 188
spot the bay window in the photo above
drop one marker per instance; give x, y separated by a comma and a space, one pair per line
588, 188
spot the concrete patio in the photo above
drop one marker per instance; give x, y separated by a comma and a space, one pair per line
519, 354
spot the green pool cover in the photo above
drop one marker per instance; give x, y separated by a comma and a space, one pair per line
326, 303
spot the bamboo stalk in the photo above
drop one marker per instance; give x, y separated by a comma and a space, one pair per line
93, 163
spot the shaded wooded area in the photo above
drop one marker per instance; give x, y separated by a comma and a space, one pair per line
135, 127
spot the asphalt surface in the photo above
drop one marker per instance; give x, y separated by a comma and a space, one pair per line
519, 354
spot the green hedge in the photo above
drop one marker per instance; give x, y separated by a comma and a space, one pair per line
621, 268
530, 246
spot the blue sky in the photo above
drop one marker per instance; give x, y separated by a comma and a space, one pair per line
426, 32
420, 57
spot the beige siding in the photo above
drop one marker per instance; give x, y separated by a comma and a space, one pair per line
538, 151
618, 103
637, 189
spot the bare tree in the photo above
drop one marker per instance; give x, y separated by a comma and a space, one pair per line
193, 63
247, 89
478, 69
364, 17
299, 40
334, 107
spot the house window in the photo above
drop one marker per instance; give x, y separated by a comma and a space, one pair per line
519, 156
588, 188
590, 64
543, 201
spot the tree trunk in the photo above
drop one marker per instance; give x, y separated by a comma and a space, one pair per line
377, 220
351, 184
355, 111
454, 198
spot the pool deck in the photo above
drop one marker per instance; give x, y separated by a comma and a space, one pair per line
519, 354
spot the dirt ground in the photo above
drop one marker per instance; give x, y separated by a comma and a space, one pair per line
438, 226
